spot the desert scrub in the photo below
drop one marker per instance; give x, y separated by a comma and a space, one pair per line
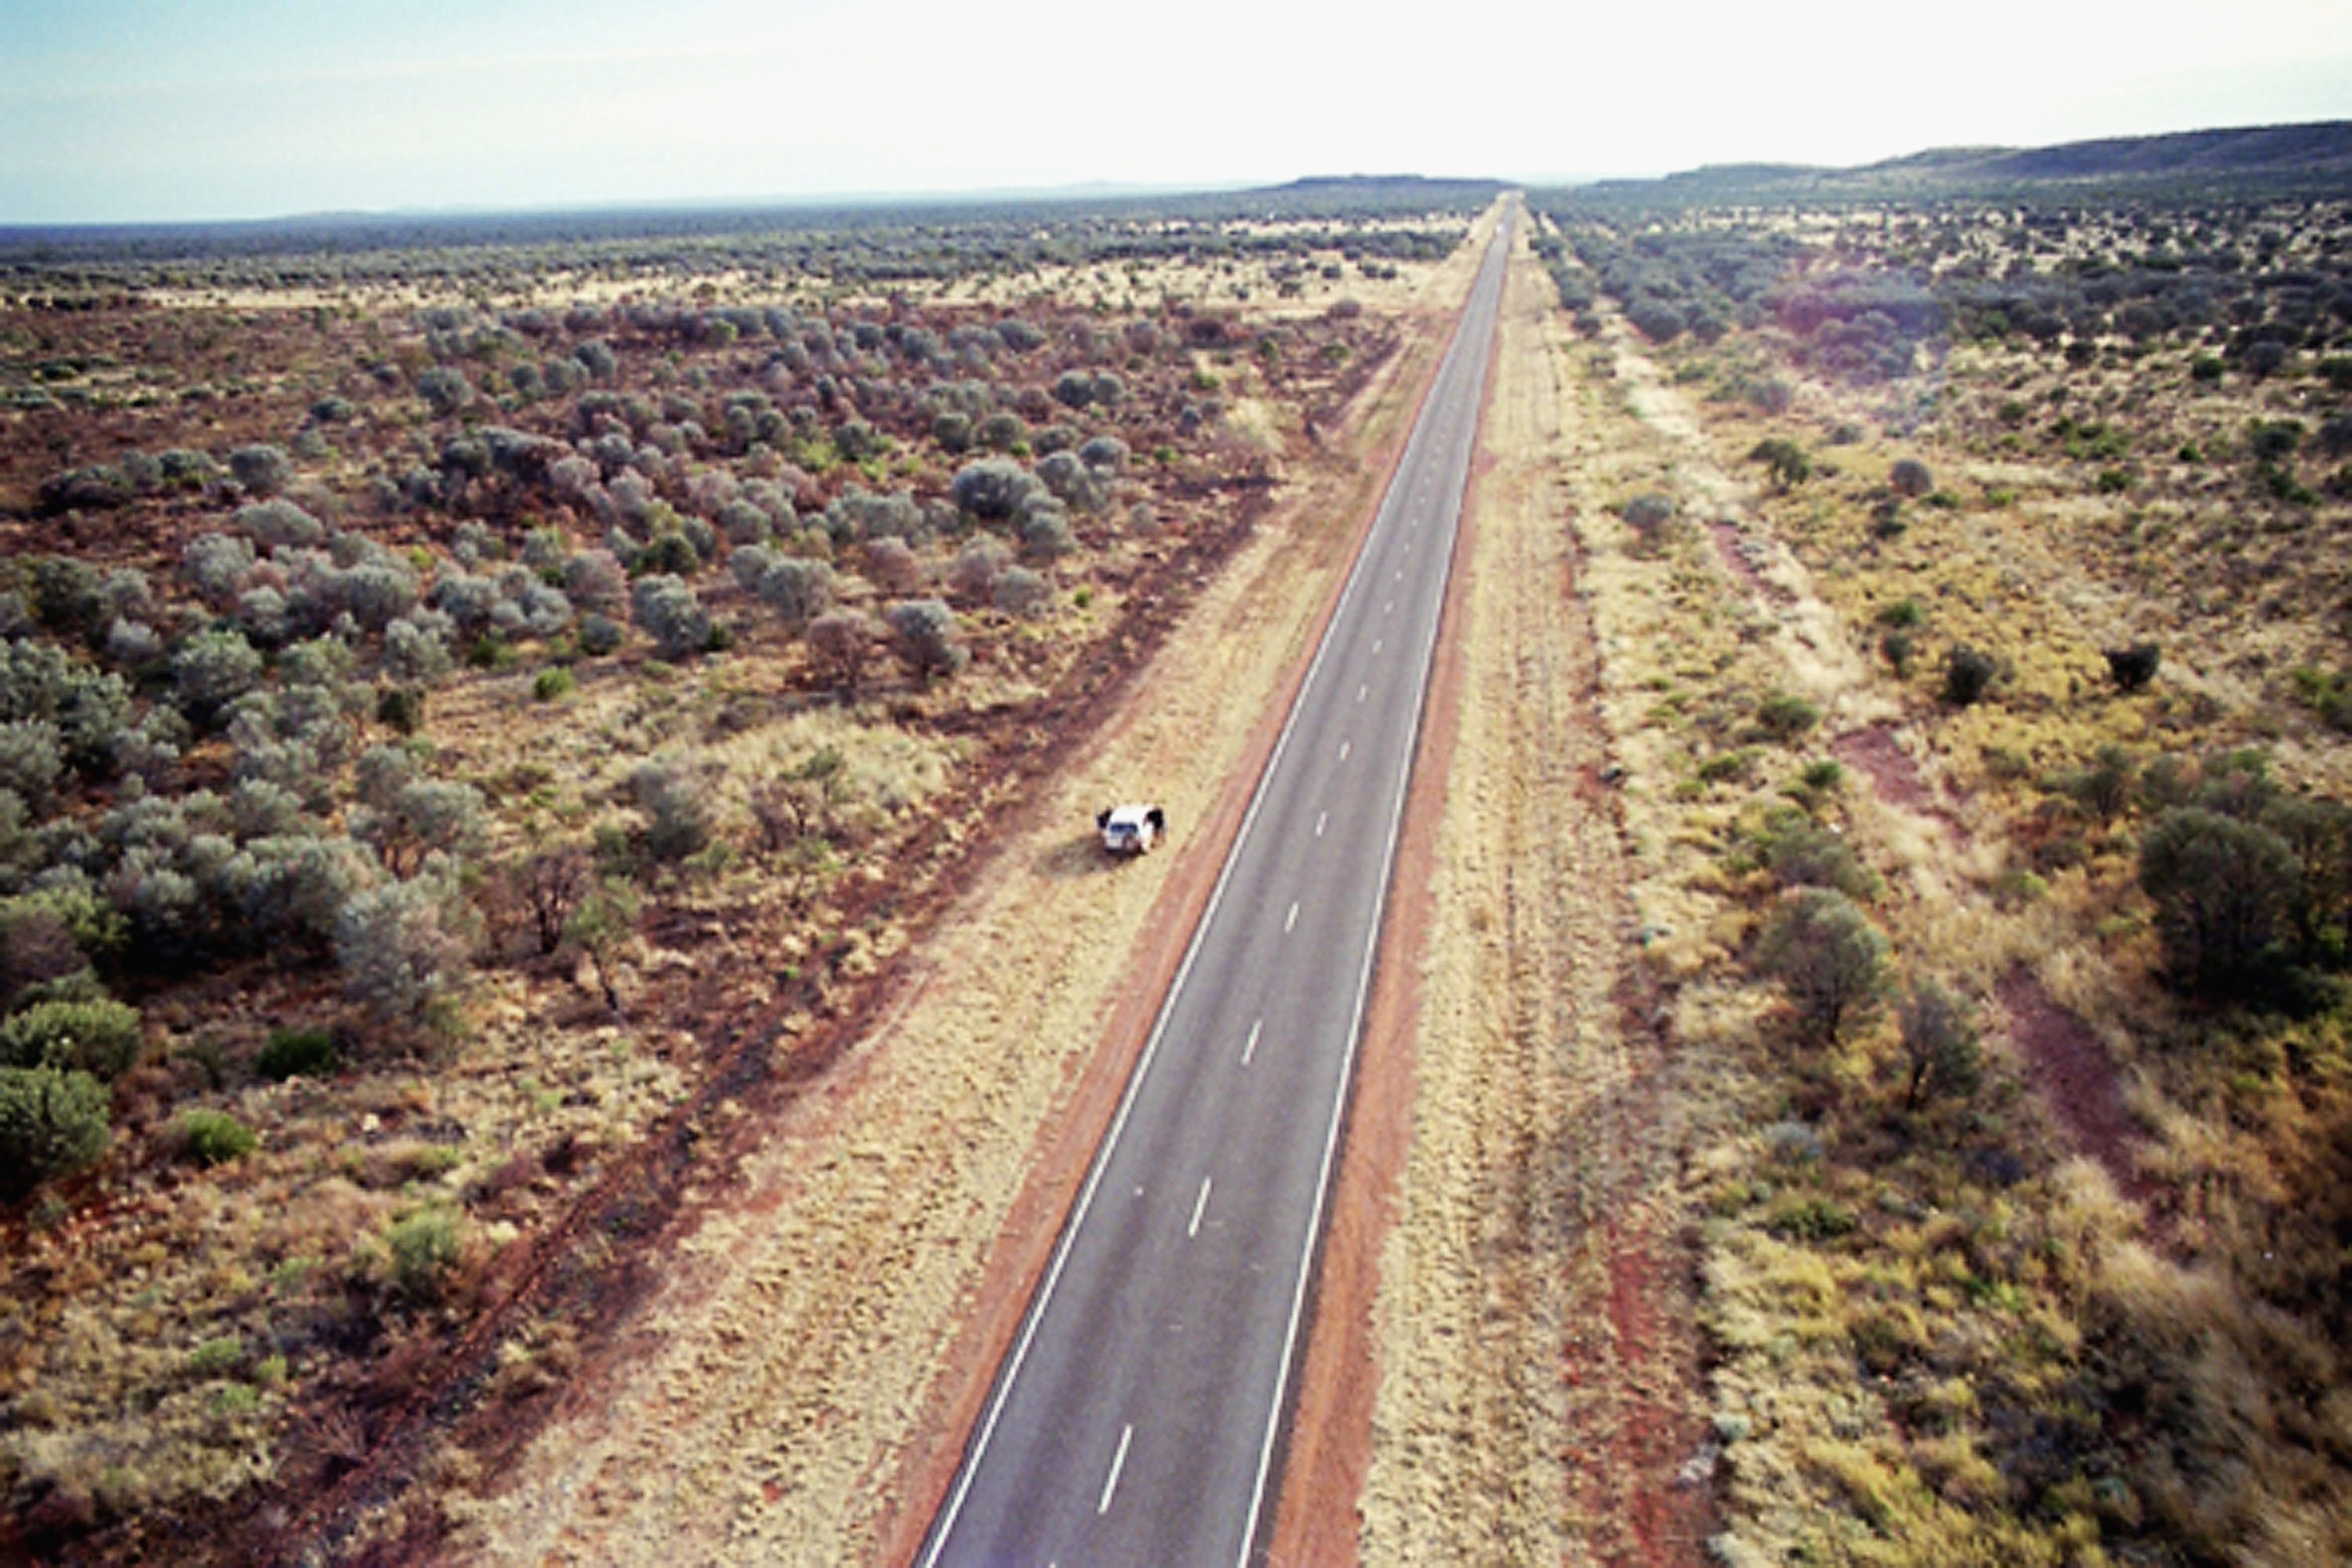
421, 1253
214, 1138
51, 1123
296, 1053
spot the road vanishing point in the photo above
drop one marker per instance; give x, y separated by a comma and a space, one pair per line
1138, 1418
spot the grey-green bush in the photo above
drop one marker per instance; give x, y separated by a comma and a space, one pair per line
923, 635
403, 945
670, 613
210, 671
1830, 960
992, 490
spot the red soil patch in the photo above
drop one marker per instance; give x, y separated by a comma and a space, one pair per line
2075, 1076
1892, 772
1731, 545
1645, 1449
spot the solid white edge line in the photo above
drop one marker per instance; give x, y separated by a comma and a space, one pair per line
943, 1526
1118, 1463
1347, 1067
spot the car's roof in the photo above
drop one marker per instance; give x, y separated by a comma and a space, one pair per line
1131, 812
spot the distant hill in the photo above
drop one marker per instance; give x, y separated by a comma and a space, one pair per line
2253, 161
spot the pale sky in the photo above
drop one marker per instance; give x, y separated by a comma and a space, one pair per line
127, 111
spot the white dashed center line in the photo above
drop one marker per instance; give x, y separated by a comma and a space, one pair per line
1249, 1050
1118, 1463
1292, 918
1320, 818
1345, 747
1359, 692
1200, 1207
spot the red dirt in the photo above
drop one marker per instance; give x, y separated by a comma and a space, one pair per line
1020, 1255
1893, 773
2077, 1077
1728, 544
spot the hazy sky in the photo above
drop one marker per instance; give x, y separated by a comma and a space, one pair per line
132, 110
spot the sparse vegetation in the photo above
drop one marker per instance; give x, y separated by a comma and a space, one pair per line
378, 713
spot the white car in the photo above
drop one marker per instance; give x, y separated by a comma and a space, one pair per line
1131, 830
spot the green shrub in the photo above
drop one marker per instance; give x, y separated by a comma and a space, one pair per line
400, 709
2133, 667
1810, 1218
423, 1250
214, 1357
1784, 460
1903, 614
296, 1053
51, 1123
214, 1138
1802, 853
99, 1037
1785, 717
551, 685
1967, 673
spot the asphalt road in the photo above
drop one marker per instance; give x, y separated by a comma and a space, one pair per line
1136, 1420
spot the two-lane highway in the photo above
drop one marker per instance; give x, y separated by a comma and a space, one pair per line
1136, 1418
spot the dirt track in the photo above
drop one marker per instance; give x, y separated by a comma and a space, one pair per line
803, 1377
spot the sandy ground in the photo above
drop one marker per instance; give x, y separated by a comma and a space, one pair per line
809, 1365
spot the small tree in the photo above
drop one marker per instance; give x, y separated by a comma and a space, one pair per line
1784, 460
1021, 591
2220, 888
1828, 957
1909, 478
1941, 1058
676, 800
978, 565
545, 887
923, 635
1967, 673
669, 613
2133, 667
798, 591
443, 389
992, 488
